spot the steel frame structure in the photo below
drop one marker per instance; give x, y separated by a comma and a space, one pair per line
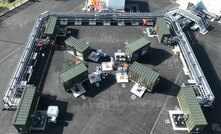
193, 66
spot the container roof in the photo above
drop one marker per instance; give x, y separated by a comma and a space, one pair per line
77, 44
72, 72
193, 106
50, 28
136, 45
163, 28
144, 71
24, 107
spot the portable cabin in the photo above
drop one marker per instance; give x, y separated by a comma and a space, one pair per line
162, 29
80, 48
22, 120
51, 28
137, 49
73, 75
143, 75
195, 119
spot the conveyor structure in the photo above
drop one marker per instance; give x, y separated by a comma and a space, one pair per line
18, 80
192, 17
203, 90
212, 15
11, 97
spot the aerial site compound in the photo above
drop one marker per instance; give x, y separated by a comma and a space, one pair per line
114, 66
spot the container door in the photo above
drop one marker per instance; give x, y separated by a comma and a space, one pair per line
145, 50
135, 56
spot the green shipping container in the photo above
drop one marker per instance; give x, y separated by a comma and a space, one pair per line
72, 75
143, 75
162, 29
79, 46
137, 49
22, 117
51, 29
190, 106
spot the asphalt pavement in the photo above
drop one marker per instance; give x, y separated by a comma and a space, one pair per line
110, 106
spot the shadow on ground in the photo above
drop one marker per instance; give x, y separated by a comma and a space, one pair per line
60, 41
60, 45
92, 90
63, 117
101, 59
212, 115
41, 68
155, 57
166, 87
72, 32
210, 28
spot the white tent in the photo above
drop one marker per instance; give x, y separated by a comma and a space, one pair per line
212, 6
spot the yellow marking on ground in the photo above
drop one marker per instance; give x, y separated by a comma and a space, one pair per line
79, 6
165, 102
11, 53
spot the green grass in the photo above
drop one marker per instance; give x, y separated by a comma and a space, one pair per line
4, 5
7, 5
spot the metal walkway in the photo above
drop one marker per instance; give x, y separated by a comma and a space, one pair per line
106, 16
23, 68
196, 72
212, 15
192, 17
